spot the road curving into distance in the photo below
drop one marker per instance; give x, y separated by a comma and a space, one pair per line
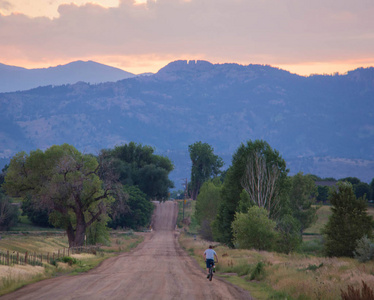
157, 269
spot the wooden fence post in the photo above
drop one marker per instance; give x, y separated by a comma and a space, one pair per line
7, 257
26, 258
17, 257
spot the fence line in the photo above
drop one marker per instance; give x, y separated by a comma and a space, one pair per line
32, 258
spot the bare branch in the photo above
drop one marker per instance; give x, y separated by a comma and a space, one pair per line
260, 182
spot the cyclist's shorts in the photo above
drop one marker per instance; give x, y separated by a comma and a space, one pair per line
209, 262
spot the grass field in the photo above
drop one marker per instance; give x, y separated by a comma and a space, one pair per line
16, 276
270, 275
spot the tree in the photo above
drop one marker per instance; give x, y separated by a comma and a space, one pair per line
67, 183
2, 175
303, 194
352, 180
260, 180
372, 189
207, 203
232, 186
348, 223
136, 213
205, 164
8, 213
254, 230
137, 165
322, 193
289, 234
362, 189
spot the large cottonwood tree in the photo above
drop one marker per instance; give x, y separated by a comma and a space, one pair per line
66, 182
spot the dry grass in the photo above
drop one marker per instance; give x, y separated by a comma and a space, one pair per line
295, 275
16, 276
33, 243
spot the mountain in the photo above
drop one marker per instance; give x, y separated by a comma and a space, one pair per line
17, 79
320, 124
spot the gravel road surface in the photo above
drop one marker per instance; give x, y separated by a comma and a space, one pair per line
157, 269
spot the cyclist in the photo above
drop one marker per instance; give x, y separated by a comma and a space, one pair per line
209, 255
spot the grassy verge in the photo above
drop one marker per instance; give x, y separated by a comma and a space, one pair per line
270, 275
16, 276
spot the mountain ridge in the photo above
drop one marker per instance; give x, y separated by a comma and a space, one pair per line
14, 78
310, 120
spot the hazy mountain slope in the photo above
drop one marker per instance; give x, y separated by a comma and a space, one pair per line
309, 120
17, 79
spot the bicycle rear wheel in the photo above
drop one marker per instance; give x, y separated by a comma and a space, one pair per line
210, 273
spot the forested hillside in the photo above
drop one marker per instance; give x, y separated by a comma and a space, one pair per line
320, 124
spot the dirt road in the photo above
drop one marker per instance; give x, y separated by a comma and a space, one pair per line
156, 269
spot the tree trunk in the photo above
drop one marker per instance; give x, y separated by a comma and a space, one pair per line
76, 236
71, 235
80, 234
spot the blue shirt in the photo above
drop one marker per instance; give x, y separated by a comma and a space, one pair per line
209, 253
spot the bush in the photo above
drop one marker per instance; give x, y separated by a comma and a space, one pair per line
66, 259
364, 250
254, 230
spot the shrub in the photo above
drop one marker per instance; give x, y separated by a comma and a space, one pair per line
364, 250
69, 260
254, 229
66, 259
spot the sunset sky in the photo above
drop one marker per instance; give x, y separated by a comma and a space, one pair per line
302, 36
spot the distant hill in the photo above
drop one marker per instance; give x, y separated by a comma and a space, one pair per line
18, 79
320, 124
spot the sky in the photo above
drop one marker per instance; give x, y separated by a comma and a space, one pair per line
301, 36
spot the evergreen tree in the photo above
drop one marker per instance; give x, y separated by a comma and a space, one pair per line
348, 223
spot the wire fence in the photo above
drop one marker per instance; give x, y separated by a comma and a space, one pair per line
37, 259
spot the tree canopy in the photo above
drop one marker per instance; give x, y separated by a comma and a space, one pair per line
303, 193
136, 213
205, 164
348, 223
207, 203
64, 181
138, 165
232, 186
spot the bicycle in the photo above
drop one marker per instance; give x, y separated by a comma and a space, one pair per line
211, 271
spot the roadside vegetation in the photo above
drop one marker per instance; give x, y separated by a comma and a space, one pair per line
281, 236
304, 274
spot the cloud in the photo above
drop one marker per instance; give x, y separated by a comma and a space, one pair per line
5, 5
251, 31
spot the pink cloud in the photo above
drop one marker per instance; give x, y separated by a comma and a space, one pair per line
272, 32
